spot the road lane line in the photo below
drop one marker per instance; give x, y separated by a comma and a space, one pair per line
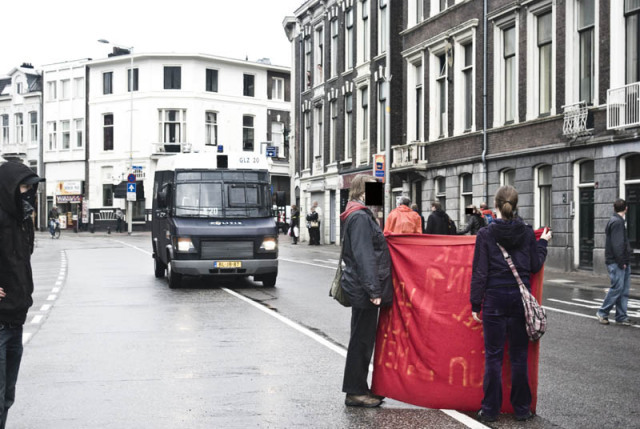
134, 247
25, 338
55, 290
45, 307
51, 298
576, 314
37, 318
308, 263
464, 419
573, 303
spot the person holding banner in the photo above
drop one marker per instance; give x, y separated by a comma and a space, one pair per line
495, 291
366, 280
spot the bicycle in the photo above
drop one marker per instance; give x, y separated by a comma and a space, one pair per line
54, 228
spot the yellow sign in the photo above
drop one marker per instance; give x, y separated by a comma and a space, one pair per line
227, 264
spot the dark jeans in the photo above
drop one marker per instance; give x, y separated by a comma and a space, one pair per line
10, 356
364, 324
503, 319
314, 235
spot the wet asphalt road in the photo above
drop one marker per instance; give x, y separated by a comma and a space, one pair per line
110, 346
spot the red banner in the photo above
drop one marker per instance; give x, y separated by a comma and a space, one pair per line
429, 350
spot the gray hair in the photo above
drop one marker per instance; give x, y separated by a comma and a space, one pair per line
404, 201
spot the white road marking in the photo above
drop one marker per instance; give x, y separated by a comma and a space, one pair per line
37, 318
464, 419
45, 307
58, 283
573, 303
560, 281
25, 338
309, 263
577, 314
51, 298
55, 290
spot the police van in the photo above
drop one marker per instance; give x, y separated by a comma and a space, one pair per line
212, 217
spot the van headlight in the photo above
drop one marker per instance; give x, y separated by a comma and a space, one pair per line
184, 244
269, 244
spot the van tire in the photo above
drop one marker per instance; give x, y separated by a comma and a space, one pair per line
159, 267
269, 280
173, 278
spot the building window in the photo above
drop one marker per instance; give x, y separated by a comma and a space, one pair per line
319, 57
107, 83
248, 88
632, 54
365, 30
277, 136
66, 134
172, 77
79, 127
333, 129
416, 11
211, 84
510, 70
135, 80
307, 62
211, 128
247, 132
33, 123
5, 129
173, 126
19, 87
383, 32
107, 132
107, 195
508, 177
544, 180
586, 31
364, 126
463, 87
52, 91
415, 102
441, 95
51, 130
318, 134
19, 128
334, 47
441, 191
277, 88
348, 125
349, 40
466, 195
78, 87
545, 52
307, 138
382, 123
65, 89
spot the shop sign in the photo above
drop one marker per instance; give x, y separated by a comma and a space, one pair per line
73, 199
70, 187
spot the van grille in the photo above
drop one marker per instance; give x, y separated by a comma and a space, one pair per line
226, 250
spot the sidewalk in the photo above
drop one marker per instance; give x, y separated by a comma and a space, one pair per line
574, 279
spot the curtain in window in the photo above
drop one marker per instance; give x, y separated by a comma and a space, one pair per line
632, 11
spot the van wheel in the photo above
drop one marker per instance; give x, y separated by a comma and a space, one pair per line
173, 278
269, 280
158, 267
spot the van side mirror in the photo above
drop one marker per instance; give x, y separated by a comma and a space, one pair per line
164, 196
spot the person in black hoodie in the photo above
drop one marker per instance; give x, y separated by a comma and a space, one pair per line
366, 280
475, 221
495, 291
439, 222
18, 186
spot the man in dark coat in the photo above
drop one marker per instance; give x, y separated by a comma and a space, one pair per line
18, 186
439, 222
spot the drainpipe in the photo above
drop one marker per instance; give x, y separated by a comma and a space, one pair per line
387, 119
484, 103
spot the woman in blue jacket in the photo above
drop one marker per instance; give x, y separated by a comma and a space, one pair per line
495, 291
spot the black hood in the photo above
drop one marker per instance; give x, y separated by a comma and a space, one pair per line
509, 234
12, 174
440, 213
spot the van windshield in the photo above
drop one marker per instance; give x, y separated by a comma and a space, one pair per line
222, 200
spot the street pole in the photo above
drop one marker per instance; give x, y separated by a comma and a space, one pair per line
130, 203
387, 119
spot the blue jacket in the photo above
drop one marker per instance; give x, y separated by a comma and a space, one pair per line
617, 249
490, 270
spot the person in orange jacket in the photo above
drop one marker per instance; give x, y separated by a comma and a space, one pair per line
403, 220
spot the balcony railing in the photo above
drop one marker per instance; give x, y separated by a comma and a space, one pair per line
13, 149
623, 107
575, 120
169, 148
408, 155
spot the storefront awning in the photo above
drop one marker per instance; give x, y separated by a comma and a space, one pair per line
121, 190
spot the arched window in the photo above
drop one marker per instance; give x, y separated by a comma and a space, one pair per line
508, 177
543, 196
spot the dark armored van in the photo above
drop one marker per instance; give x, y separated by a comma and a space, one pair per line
212, 217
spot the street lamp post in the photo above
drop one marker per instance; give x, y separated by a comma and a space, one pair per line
129, 203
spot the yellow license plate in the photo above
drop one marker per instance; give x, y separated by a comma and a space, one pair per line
227, 264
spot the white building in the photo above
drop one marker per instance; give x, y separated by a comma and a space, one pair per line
20, 120
181, 103
64, 142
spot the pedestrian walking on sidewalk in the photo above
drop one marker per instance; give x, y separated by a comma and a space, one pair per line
313, 225
617, 256
18, 187
119, 219
366, 280
495, 291
295, 223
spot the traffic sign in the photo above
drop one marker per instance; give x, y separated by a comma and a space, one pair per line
131, 192
131, 178
378, 166
272, 151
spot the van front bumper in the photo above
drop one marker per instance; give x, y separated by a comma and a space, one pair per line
205, 268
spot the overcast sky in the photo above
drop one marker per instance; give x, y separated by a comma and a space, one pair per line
50, 31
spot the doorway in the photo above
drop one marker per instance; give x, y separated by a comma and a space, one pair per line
586, 228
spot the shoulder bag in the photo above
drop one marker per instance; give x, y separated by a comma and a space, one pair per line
534, 315
336, 290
